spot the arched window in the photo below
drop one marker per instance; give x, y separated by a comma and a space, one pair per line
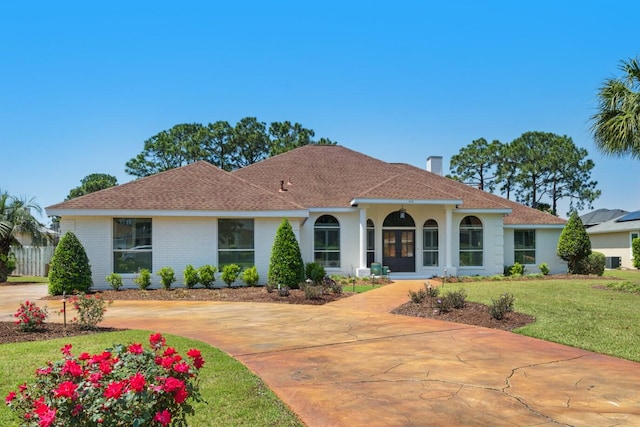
471, 242
430, 243
371, 242
326, 241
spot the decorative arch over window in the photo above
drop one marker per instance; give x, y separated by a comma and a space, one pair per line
399, 219
471, 242
371, 242
430, 243
326, 241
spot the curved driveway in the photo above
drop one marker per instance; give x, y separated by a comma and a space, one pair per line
351, 363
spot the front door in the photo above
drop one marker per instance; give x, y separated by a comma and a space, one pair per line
399, 250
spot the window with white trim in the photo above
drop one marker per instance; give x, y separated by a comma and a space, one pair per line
236, 242
430, 243
471, 242
524, 244
326, 241
371, 243
132, 249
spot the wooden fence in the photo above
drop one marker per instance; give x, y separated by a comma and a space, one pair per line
32, 260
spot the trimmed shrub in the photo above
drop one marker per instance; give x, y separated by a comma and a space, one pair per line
516, 269
635, 250
167, 277
417, 296
114, 280
230, 273
250, 276
315, 272
143, 279
574, 244
69, 270
544, 268
286, 266
191, 278
207, 274
595, 263
457, 299
500, 307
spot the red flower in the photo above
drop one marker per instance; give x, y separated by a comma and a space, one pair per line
182, 367
157, 340
137, 382
164, 418
10, 397
172, 384
66, 350
65, 389
170, 351
135, 348
180, 395
84, 356
198, 362
194, 353
114, 390
72, 367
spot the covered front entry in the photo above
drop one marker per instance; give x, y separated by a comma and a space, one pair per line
399, 242
399, 250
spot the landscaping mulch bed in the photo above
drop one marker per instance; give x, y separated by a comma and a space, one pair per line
9, 332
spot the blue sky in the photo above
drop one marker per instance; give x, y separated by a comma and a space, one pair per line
84, 84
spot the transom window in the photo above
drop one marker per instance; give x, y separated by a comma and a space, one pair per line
430, 243
236, 242
371, 243
132, 249
326, 241
471, 242
524, 243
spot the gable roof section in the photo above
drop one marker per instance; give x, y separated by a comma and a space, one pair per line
600, 215
199, 186
617, 225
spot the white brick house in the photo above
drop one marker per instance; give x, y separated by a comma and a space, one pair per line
346, 209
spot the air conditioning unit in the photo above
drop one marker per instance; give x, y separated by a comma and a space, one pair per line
612, 262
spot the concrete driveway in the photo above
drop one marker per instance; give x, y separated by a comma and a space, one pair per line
351, 363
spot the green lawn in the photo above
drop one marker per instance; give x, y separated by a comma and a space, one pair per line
234, 396
27, 279
572, 312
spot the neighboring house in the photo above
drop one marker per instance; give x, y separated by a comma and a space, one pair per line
613, 238
346, 209
600, 215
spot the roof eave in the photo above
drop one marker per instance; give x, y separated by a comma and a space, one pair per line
362, 200
290, 213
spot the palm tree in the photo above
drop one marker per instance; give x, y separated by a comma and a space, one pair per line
616, 126
16, 217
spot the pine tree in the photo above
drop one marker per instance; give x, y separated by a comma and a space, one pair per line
69, 270
574, 244
286, 266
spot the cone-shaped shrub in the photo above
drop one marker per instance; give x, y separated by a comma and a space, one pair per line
574, 244
286, 267
69, 270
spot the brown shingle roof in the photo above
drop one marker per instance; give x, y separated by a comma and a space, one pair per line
197, 186
319, 176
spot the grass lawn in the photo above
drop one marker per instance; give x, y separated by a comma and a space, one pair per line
234, 396
572, 312
27, 279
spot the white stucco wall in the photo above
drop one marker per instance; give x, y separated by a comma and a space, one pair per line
614, 245
546, 244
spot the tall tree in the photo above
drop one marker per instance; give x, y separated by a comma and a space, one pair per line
251, 141
531, 153
476, 164
570, 175
91, 183
286, 136
219, 145
506, 170
15, 218
178, 146
616, 125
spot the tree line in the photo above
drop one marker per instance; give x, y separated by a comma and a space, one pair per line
537, 169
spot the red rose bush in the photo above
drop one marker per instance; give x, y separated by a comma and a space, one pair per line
122, 386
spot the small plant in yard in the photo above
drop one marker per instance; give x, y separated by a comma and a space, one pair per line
313, 291
207, 274
191, 278
432, 291
143, 279
250, 276
114, 280
315, 272
544, 268
457, 298
418, 296
443, 305
167, 277
516, 269
90, 308
283, 291
230, 273
500, 307
123, 385
30, 317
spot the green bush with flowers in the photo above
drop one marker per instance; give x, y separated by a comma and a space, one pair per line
90, 309
122, 386
30, 317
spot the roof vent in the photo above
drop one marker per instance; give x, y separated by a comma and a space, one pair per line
282, 189
434, 164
